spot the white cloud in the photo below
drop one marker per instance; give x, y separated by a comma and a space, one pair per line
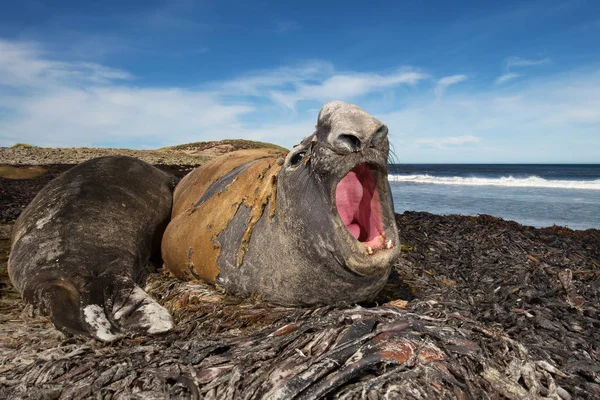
24, 66
507, 77
59, 103
345, 87
258, 82
451, 80
522, 62
446, 81
552, 119
71, 116
518, 62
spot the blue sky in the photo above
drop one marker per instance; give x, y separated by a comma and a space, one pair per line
456, 81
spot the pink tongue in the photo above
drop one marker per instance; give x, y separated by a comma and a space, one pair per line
357, 201
348, 196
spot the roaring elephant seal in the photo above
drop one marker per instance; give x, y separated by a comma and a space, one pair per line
313, 226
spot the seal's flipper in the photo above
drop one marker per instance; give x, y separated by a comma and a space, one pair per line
59, 300
104, 310
74, 313
135, 311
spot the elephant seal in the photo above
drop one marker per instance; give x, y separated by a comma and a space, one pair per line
314, 227
80, 248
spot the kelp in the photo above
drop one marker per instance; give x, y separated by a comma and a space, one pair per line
477, 308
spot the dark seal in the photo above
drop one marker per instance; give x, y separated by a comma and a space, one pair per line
315, 227
82, 245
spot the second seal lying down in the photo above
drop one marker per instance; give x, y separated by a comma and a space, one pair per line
315, 226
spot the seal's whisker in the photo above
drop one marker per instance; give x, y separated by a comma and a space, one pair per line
305, 179
393, 160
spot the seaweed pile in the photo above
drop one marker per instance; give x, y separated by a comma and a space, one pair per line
477, 308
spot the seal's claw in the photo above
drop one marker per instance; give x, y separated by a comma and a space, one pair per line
99, 325
134, 310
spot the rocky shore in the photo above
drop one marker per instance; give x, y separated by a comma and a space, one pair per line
478, 307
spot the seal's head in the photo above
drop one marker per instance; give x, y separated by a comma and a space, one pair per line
340, 175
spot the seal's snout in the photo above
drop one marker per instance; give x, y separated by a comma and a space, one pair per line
359, 207
348, 141
350, 129
353, 142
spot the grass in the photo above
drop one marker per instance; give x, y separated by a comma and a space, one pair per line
236, 143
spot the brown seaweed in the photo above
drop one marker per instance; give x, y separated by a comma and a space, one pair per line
478, 307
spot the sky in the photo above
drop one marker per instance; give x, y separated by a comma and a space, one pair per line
455, 81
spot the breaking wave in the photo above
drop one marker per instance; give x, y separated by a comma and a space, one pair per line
507, 181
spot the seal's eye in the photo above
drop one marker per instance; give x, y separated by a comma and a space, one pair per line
297, 158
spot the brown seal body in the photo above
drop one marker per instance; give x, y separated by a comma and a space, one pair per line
191, 248
314, 228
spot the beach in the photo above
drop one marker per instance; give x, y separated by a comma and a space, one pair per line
477, 306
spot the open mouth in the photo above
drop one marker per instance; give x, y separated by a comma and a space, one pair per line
358, 204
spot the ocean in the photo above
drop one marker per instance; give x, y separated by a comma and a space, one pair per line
531, 194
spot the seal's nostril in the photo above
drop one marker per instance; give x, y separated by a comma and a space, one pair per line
349, 141
379, 135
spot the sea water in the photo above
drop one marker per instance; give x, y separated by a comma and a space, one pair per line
531, 194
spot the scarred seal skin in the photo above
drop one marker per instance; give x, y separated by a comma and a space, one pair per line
82, 245
315, 226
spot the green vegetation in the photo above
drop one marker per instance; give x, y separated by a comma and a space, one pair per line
237, 144
22, 145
